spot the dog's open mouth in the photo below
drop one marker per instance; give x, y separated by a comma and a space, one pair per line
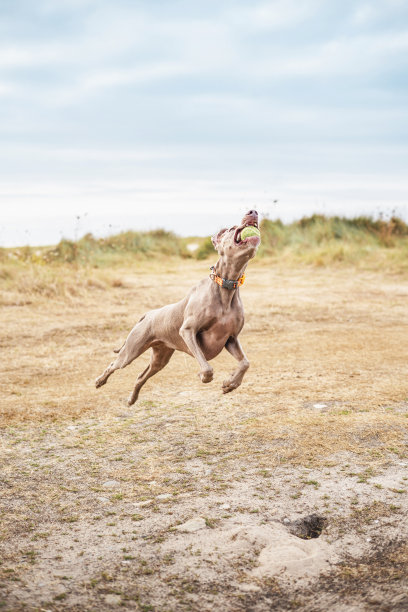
250, 239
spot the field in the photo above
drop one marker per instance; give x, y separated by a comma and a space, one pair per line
194, 500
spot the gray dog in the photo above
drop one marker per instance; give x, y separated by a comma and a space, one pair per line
208, 319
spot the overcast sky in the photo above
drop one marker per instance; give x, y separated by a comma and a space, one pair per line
149, 113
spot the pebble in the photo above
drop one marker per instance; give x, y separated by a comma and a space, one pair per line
286, 521
398, 599
112, 599
319, 406
71, 427
225, 507
194, 524
102, 499
249, 587
141, 504
164, 496
111, 484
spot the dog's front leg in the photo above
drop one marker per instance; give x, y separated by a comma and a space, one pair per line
189, 335
234, 347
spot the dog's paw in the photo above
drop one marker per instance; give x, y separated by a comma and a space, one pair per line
207, 375
99, 382
229, 385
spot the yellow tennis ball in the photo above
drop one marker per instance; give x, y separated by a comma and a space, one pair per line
250, 230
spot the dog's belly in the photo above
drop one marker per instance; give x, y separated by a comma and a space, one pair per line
213, 340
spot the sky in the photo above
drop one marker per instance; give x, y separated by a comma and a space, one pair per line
152, 113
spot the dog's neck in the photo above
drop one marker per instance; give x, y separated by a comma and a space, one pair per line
230, 270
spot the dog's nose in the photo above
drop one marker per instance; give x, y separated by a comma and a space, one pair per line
252, 212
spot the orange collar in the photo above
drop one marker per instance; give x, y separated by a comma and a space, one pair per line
224, 282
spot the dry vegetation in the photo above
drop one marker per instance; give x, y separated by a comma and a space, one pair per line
93, 492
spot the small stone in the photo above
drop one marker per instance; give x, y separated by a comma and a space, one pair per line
152, 483
104, 500
164, 496
142, 504
368, 539
401, 598
249, 587
225, 507
319, 406
286, 521
111, 484
112, 600
192, 525
71, 427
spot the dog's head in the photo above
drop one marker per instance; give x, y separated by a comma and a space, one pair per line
228, 242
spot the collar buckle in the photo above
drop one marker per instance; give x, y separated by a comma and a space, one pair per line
229, 284
226, 283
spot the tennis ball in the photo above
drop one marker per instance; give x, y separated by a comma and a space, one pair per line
250, 230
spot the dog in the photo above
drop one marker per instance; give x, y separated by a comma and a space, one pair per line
208, 319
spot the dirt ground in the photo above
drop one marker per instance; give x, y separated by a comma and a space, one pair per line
194, 500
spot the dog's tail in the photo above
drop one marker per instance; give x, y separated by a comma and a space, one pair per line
119, 349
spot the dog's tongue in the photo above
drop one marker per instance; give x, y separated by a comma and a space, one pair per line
253, 239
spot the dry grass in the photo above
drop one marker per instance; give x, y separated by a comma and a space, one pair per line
327, 388
332, 334
331, 337
316, 240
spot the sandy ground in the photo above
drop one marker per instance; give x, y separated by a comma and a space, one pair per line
192, 500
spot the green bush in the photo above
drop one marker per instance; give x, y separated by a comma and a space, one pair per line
312, 239
205, 249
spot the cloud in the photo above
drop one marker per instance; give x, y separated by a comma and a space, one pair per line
6, 89
266, 91
276, 14
145, 73
365, 14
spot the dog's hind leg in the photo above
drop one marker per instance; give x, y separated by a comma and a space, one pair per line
137, 324
160, 358
136, 343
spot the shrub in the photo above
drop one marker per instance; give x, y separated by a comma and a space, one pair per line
205, 249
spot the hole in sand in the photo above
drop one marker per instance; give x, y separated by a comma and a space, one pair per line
308, 527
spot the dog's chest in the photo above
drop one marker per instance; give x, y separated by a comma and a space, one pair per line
213, 338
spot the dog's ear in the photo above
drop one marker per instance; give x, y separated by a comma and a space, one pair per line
217, 237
